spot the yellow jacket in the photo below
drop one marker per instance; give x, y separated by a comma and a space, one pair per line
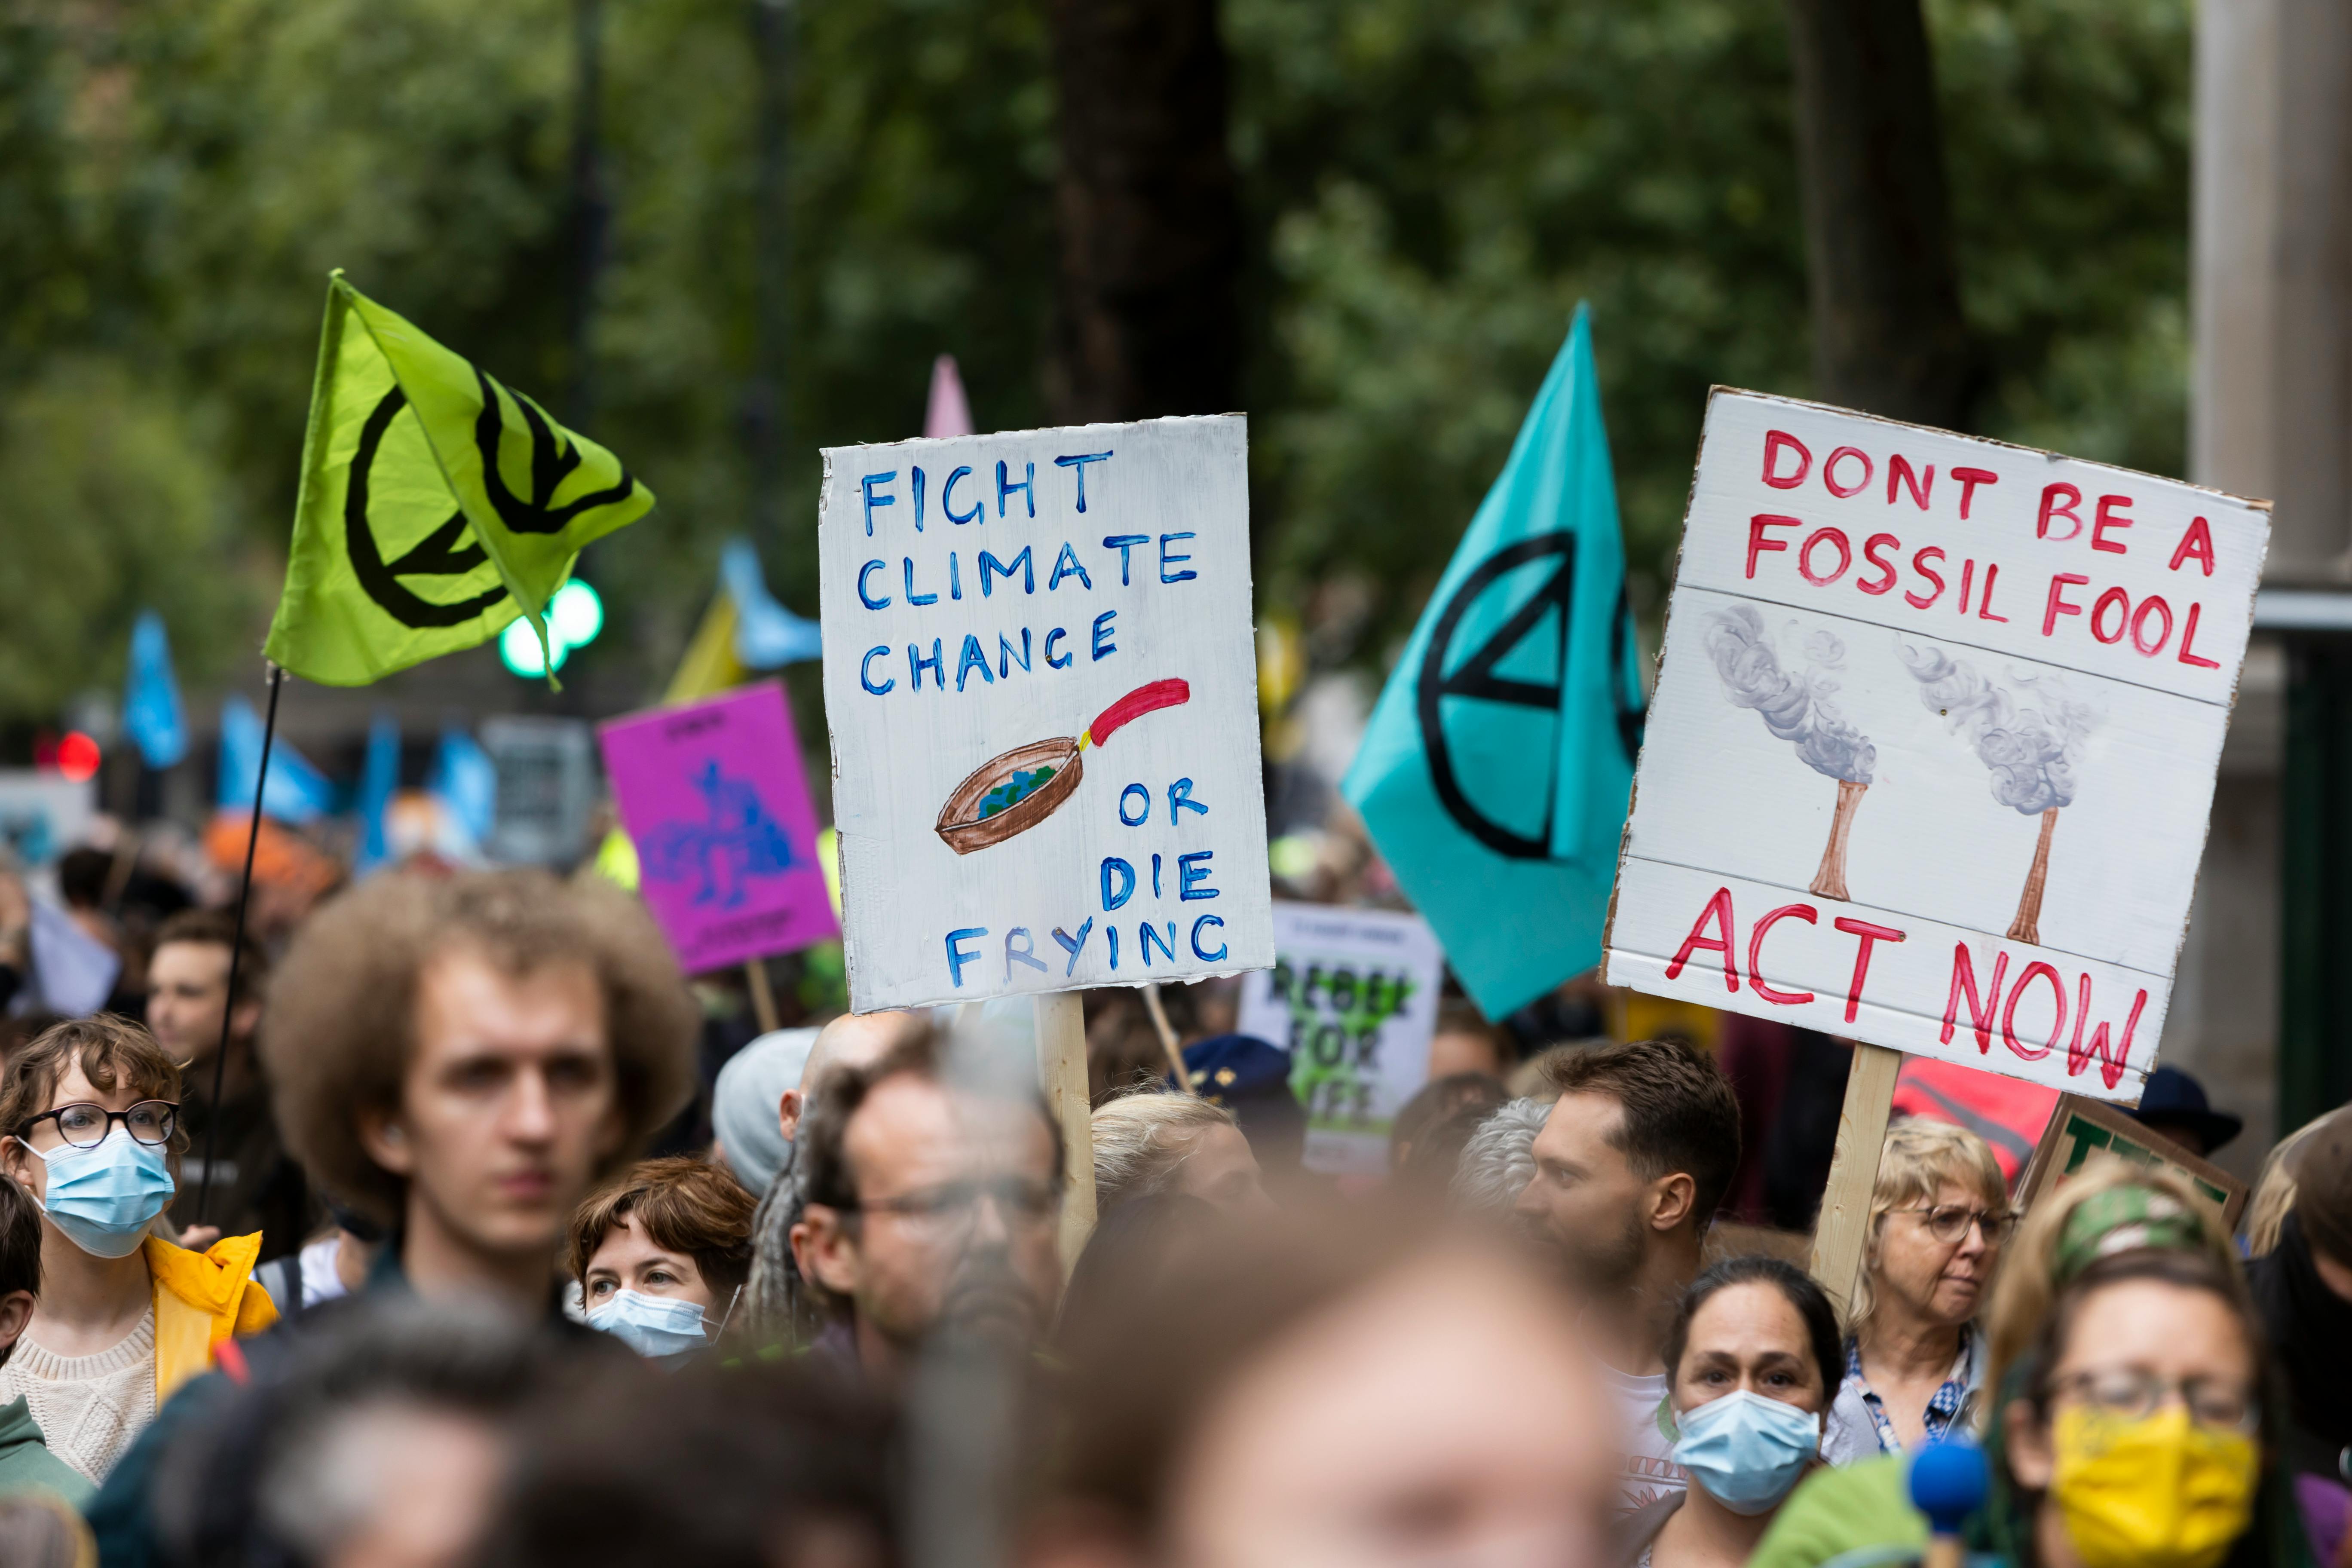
202, 1298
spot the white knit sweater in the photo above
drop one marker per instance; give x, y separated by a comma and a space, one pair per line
90, 1407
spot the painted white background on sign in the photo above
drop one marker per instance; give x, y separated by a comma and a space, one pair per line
1335, 969
1725, 800
924, 924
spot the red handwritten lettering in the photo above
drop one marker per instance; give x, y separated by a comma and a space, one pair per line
1719, 910
1805, 912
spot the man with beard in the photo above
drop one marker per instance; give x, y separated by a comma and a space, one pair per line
1631, 1164
931, 1208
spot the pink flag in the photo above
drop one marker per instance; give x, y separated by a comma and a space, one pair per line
948, 413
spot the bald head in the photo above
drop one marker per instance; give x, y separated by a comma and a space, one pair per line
852, 1040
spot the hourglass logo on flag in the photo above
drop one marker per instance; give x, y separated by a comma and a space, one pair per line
1494, 770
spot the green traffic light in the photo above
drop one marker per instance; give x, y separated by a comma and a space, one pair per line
574, 616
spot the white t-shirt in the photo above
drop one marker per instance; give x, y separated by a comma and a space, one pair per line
1649, 1471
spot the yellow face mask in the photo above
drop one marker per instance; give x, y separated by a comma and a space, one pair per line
2158, 1492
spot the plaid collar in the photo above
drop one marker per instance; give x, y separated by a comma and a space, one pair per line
1946, 1407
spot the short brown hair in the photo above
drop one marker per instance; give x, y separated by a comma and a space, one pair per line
1680, 1114
823, 1155
110, 1049
683, 1205
217, 928
341, 1022
20, 1248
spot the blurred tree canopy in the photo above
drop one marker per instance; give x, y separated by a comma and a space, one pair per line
1429, 187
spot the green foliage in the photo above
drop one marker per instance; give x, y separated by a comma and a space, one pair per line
921, 223
1430, 187
1442, 180
2067, 128
113, 506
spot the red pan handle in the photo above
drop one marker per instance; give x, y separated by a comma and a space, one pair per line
1136, 704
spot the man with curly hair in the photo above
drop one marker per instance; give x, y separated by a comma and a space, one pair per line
461, 1060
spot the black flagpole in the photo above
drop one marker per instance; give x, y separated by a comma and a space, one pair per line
236, 944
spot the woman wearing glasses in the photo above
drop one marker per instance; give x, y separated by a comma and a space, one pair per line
2128, 1431
1913, 1359
88, 1127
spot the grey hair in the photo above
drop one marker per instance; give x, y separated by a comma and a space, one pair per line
1142, 1140
1500, 1160
777, 1310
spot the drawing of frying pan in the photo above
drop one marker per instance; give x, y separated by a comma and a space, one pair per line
1014, 791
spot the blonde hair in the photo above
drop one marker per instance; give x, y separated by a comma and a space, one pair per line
1142, 1140
1919, 1158
2029, 1283
2275, 1192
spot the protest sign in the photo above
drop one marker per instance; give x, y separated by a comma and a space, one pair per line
2083, 1130
1353, 997
1041, 679
715, 799
546, 788
43, 815
1933, 744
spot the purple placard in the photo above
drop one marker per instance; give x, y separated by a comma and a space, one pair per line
715, 796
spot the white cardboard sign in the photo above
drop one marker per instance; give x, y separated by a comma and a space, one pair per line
1040, 681
1932, 749
1353, 997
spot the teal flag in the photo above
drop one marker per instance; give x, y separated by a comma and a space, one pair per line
1495, 772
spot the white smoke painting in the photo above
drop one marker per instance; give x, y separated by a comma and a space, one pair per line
1797, 708
2030, 740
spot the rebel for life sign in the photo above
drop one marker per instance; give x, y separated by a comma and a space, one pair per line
715, 799
1933, 744
1040, 678
1353, 997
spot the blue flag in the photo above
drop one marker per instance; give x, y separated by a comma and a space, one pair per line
1495, 772
767, 635
466, 781
151, 700
296, 793
379, 781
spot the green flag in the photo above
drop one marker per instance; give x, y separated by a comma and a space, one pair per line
436, 504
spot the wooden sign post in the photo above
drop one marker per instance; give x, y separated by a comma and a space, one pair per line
1841, 1234
1040, 678
1061, 1069
1931, 754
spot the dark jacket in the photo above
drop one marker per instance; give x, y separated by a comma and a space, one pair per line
256, 1184
123, 1515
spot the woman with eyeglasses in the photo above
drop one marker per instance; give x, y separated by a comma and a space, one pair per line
2128, 1430
90, 1129
1913, 1359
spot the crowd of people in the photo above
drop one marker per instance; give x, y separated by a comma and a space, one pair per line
389, 1280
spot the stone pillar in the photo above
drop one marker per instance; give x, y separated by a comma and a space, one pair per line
2272, 417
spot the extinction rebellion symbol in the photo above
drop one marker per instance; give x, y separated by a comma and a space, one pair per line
441, 553
1475, 679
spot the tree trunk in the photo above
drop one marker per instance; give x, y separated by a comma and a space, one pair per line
1150, 223
764, 400
1829, 882
1888, 336
2026, 926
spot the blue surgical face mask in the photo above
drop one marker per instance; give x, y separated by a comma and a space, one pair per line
1747, 1451
650, 1325
103, 1198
